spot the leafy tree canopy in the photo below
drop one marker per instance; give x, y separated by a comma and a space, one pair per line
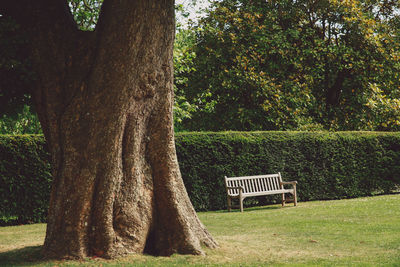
294, 65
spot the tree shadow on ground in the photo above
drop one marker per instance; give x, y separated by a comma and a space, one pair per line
27, 256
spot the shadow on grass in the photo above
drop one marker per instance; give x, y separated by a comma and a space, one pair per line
27, 256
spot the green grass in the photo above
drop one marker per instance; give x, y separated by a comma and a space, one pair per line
354, 232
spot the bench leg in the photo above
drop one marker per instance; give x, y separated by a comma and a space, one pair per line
229, 203
295, 195
283, 200
241, 200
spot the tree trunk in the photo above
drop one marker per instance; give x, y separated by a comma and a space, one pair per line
105, 103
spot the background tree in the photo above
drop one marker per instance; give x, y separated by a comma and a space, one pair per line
104, 100
295, 65
183, 63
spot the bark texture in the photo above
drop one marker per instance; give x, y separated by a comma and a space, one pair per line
104, 99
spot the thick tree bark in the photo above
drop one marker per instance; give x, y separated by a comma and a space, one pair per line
105, 103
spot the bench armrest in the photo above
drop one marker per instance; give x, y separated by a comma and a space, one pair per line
291, 182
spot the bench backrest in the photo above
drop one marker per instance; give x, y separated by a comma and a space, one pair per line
254, 184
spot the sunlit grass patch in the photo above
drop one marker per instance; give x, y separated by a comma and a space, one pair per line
353, 232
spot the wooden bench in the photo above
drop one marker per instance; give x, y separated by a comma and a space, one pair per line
259, 185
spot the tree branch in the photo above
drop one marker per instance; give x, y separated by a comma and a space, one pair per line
85, 3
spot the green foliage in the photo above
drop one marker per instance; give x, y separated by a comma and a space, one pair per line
25, 122
183, 63
269, 65
326, 165
24, 179
85, 12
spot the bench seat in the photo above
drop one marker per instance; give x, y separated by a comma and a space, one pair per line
264, 193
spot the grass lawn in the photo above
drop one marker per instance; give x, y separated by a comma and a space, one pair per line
354, 232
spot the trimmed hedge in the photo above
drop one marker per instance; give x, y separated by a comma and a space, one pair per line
25, 179
326, 165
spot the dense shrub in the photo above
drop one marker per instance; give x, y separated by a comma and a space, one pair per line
24, 179
326, 165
